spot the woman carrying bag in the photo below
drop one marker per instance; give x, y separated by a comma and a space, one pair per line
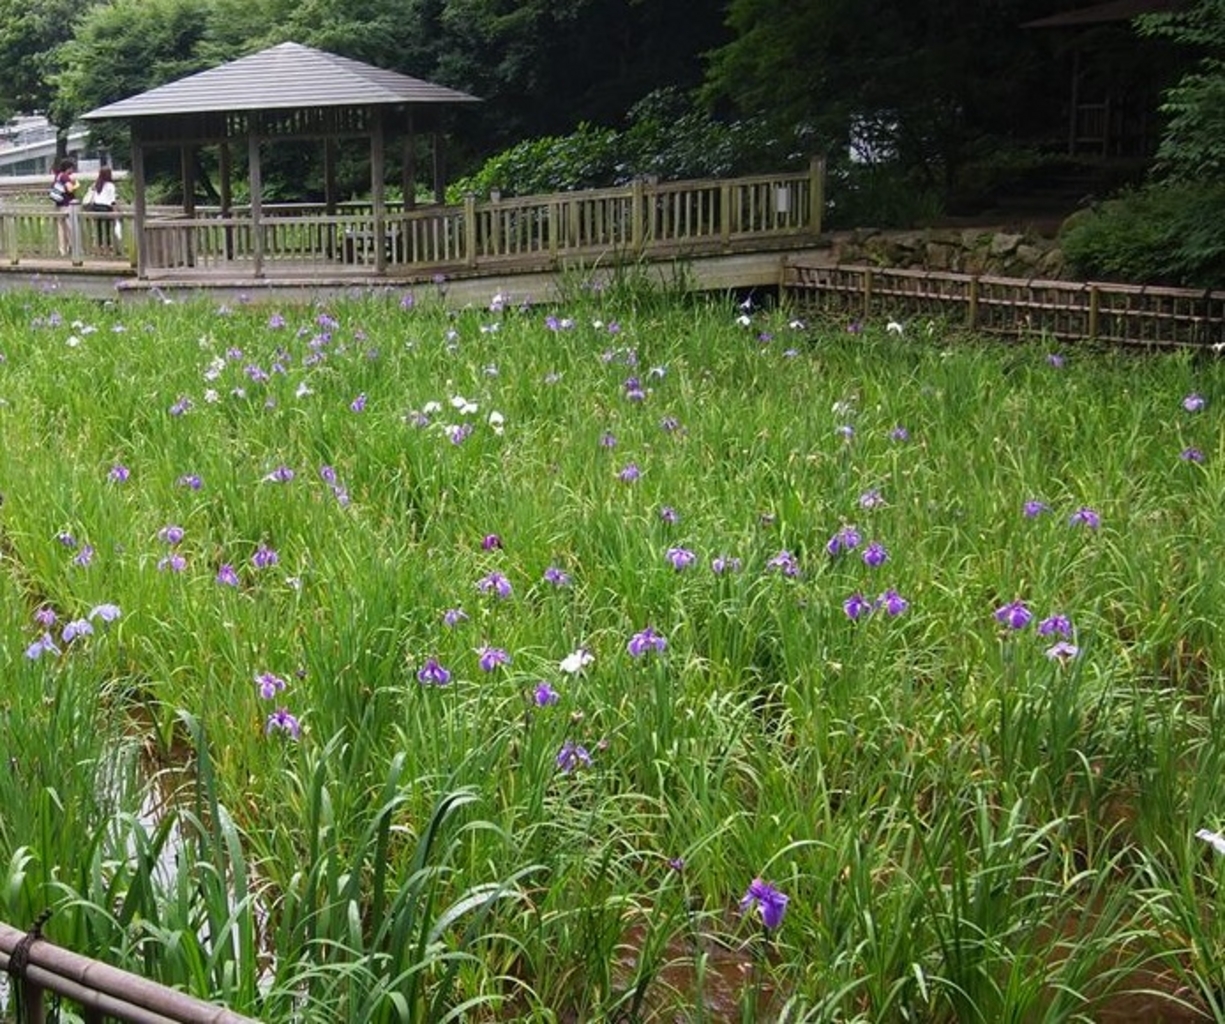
101, 199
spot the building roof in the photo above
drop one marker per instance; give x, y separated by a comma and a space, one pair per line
1112, 10
288, 76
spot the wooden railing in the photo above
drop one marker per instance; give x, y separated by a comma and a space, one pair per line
38, 967
1124, 314
640, 219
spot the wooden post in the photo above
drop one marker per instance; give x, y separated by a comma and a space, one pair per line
187, 173
225, 170
972, 308
816, 193
138, 204
377, 191
867, 292
554, 227
725, 214
495, 216
408, 165
74, 234
440, 170
257, 204
11, 234
470, 229
637, 216
1094, 301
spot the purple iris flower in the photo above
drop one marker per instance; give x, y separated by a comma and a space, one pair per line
893, 602
669, 515
119, 473
722, 564
280, 475
784, 562
608, 440
1055, 359
190, 481
1060, 624
572, 756
771, 903
66, 538
1014, 615
494, 583
171, 535
282, 721
856, 606
269, 685
264, 557
1191, 455
226, 576
76, 628
276, 322
871, 498
105, 612
84, 556
491, 541
544, 695
491, 657
1033, 508
644, 641
459, 433
556, 576
669, 424
43, 645
45, 617
432, 673
681, 558
1085, 516
453, 617
844, 540
875, 555
359, 403
1194, 402
899, 433
630, 473
172, 563
1062, 651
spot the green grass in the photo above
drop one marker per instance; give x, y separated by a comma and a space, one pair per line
967, 829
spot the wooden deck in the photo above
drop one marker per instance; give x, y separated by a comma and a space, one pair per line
729, 227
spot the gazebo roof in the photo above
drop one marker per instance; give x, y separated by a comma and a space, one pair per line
1103, 13
287, 76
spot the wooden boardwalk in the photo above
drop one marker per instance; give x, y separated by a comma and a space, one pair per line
723, 224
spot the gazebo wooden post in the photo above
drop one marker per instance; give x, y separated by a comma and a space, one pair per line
408, 165
257, 228
225, 169
440, 170
378, 172
138, 202
329, 236
187, 176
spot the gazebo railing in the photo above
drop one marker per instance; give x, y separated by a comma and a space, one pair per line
639, 219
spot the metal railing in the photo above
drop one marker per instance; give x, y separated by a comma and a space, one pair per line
38, 967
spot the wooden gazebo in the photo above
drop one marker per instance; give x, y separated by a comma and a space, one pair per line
287, 92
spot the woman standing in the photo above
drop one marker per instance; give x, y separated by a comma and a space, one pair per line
101, 199
63, 194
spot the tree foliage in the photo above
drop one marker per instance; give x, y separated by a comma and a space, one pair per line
1193, 144
31, 32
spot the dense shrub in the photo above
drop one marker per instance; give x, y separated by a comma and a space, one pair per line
1160, 234
665, 136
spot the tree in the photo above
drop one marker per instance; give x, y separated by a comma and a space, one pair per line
31, 31
1192, 147
922, 81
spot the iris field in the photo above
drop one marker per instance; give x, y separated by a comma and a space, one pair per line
638, 659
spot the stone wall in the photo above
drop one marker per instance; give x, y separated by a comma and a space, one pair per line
962, 250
